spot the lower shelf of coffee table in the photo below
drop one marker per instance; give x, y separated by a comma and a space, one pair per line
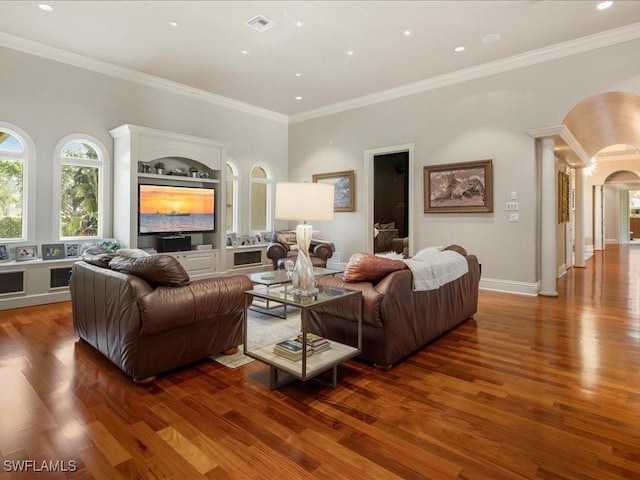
316, 363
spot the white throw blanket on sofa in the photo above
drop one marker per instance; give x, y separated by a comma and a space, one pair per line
431, 268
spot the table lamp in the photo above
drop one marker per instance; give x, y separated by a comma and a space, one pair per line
304, 201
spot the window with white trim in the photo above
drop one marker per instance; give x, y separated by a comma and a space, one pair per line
261, 185
232, 197
80, 177
13, 185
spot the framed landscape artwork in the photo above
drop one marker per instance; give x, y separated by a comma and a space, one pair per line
459, 187
344, 189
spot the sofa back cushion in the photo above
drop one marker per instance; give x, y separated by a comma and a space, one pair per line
365, 267
98, 256
157, 270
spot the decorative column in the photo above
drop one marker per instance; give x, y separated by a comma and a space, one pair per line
579, 218
548, 204
598, 218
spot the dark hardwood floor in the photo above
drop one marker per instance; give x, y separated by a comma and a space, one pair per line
532, 387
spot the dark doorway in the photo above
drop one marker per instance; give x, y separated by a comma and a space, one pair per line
390, 198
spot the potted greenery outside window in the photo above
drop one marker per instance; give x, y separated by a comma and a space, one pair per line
193, 171
159, 166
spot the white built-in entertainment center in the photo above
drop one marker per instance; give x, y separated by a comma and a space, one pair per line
41, 281
136, 146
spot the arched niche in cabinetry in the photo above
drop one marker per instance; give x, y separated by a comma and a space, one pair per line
135, 146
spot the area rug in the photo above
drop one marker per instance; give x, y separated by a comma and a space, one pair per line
265, 329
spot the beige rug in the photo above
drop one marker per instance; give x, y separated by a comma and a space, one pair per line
262, 329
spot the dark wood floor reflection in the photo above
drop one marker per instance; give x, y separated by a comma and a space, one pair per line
533, 387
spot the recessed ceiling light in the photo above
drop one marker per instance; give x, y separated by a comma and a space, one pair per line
173, 23
604, 5
406, 33
245, 52
491, 38
458, 49
350, 52
298, 74
45, 7
298, 98
299, 23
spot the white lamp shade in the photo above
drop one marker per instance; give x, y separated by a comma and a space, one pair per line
304, 201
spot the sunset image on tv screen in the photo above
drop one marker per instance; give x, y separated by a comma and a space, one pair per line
169, 209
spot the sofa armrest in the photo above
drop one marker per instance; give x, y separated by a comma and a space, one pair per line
276, 251
167, 308
323, 250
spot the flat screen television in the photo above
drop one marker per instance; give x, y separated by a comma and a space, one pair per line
164, 210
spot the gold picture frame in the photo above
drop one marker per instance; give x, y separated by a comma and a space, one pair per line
459, 187
564, 193
344, 189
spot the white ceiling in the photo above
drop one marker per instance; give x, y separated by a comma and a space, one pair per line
204, 51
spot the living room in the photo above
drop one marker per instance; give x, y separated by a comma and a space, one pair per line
484, 113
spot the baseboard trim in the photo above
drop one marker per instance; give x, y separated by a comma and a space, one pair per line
33, 300
520, 288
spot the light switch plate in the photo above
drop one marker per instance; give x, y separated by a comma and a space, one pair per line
514, 217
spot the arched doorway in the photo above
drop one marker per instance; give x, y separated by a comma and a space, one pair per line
607, 126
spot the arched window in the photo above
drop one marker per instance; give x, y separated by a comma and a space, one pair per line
80, 186
261, 185
232, 196
17, 189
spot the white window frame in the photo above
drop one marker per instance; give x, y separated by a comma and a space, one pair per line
104, 183
269, 181
235, 178
28, 157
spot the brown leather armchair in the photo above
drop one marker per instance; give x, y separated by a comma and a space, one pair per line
283, 246
147, 317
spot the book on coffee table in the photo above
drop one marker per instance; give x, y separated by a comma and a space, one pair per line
291, 349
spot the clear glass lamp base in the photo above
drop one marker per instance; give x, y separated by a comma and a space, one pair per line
303, 280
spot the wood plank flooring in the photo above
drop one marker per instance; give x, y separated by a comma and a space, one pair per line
532, 387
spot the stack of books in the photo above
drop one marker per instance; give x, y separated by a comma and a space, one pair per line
291, 349
316, 342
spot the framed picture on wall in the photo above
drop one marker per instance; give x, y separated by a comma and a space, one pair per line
344, 189
459, 187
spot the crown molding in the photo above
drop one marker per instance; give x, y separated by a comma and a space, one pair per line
560, 50
105, 68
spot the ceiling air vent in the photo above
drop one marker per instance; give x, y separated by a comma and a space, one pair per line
260, 23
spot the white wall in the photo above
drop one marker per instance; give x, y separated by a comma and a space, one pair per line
50, 100
474, 120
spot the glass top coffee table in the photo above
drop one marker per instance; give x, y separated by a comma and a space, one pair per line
279, 277
309, 365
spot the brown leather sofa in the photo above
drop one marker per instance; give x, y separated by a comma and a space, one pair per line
147, 317
396, 320
280, 249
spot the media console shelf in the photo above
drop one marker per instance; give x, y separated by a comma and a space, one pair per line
135, 146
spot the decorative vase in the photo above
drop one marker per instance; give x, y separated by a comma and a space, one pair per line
159, 171
303, 280
194, 174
